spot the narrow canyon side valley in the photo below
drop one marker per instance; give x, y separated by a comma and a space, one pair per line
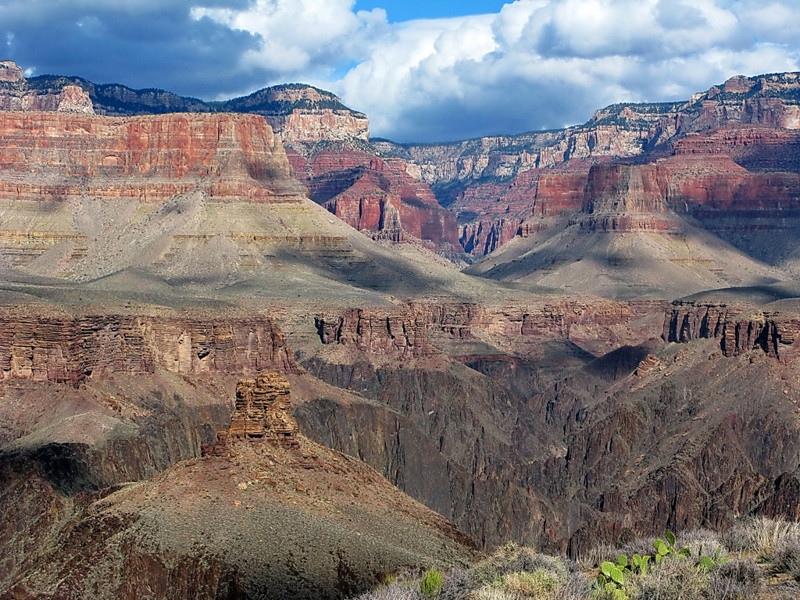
247, 351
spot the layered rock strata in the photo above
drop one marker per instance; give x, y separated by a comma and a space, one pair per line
53, 156
71, 349
375, 196
263, 410
471, 176
738, 329
302, 113
14, 94
401, 336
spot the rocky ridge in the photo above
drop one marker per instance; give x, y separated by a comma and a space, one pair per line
386, 204
481, 179
145, 535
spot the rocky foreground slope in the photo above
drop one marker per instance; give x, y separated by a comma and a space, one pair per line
267, 514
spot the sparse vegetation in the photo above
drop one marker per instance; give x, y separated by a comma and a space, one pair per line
749, 561
431, 583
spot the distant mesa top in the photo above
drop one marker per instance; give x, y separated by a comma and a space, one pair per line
9, 71
298, 112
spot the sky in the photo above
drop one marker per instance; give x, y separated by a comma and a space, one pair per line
422, 71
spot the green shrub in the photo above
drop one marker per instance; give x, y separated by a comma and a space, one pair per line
431, 583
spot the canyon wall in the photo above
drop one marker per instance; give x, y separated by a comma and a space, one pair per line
70, 349
375, 196
738, 328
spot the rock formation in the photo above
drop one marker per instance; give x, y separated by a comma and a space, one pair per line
470, 176
386, 204
151, 262
70, 349
739, 330
263, 409
374, 196
302, 113
198, 529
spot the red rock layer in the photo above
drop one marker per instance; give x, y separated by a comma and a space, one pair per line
376, 196
626, 198
47, 155
705, 177
69, 349
522, 207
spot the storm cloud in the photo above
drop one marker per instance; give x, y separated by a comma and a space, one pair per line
537, 64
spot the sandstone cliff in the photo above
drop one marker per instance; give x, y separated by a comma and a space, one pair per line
773, 330
71, 349
480, 179
387, 204
374, 196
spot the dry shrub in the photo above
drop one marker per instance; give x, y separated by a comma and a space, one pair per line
760, 535
786, 555
457, 584
396, 590
490, 592
737, 579
537, 584
673, 579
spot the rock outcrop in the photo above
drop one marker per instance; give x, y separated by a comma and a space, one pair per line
302, 113
72, 349
198, 529
626, 198
263, 410
739, 329
400, 336
470, 176
16, 95
375, 196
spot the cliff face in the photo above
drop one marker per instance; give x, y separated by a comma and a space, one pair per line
469, 176
375, 196
618, 131
196, 530
738, 330
579, 450
15, 95
69, 350
146, 158
302, 113
625, 199
182, 197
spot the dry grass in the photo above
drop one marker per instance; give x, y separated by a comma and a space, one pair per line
759, 535
756, 559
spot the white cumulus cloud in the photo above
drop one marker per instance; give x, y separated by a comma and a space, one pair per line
534, 64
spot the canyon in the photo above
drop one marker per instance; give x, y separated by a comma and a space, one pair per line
243, 352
